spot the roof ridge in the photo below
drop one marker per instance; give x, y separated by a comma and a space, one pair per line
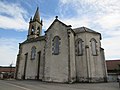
56, 19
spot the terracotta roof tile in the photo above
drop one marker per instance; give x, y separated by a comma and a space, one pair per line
113, 64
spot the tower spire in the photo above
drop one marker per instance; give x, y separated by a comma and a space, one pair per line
36, 16
35, 26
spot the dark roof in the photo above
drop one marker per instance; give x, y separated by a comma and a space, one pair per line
34, 39
113, 64
84, 29
7, 69
76, 30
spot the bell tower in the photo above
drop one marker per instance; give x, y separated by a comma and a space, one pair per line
35, 26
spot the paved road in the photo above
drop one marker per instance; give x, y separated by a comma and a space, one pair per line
37, 85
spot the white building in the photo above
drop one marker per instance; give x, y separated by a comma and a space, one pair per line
62, 55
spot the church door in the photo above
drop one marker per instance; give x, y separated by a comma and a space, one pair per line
25, 65
38, 70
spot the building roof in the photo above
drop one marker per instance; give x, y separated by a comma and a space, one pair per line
76, 30
56, 20
7, 69
84, 29
34, 39
113, 64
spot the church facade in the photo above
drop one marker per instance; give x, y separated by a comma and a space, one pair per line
63, 54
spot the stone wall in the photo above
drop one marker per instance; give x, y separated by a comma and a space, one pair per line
81, 61
32, 65
90, 67
56, 66
72, 63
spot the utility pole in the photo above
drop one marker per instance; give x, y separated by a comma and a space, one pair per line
10, 70
119, 75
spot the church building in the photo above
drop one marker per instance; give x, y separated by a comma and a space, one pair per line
63, 54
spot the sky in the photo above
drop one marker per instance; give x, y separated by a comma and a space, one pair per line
100, 15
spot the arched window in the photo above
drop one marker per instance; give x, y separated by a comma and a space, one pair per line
32, 31
93, 46
33, 53
79, 47
38, 30
56, 43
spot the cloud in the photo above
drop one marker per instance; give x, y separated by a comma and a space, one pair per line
109, 21
47, 22
77, 22
12, 16
8, 51
100, 15
112, 47
106, 12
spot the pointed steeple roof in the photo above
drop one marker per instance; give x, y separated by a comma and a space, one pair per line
37, 16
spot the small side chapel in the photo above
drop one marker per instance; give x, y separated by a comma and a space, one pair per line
63, 54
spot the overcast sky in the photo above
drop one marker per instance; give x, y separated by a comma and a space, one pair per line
100, 15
